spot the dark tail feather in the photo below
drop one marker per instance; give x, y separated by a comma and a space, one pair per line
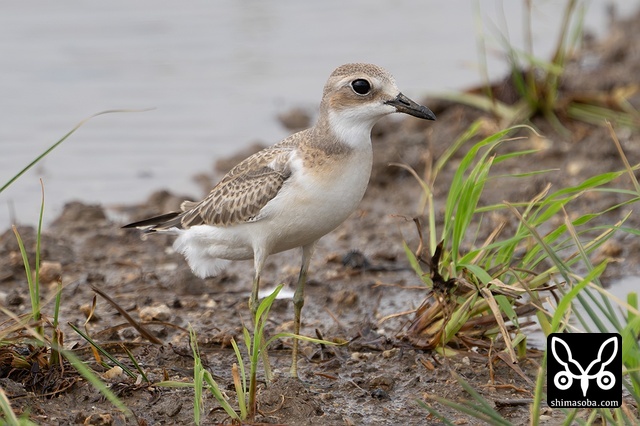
165, 221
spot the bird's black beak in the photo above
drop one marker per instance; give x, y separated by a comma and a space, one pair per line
407, 106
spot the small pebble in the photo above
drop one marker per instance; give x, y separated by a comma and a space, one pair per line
295, 119
155, 313
390, 353
385, 383
50, 272
14, 298
379, 394
326, 396
361, 356
113, 372
104, 419
129, 334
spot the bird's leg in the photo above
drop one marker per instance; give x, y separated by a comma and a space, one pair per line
253, 300
298, 303
258, 262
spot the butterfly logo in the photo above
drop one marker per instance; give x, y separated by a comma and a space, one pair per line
564, 379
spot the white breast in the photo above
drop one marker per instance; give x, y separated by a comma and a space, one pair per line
315, 201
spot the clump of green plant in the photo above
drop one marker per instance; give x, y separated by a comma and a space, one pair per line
34, 342
30, 332
537, 83
479, 291
256, 344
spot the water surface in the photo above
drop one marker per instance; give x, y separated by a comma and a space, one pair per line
217, 73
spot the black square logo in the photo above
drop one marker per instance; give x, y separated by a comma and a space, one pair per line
584, 370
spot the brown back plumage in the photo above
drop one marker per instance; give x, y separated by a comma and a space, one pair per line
238, 197
243, 192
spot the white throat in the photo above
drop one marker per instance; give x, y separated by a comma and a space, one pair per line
351, 127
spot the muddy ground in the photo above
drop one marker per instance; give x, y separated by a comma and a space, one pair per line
359, 276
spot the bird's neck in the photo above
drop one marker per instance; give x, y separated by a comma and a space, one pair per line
346, 129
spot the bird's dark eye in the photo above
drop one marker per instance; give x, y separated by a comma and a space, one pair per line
361, 86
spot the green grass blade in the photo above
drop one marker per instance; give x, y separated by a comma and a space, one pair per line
415, 265
484, 406
55, 145
217, 393
56, 306
507, 307
482, 103
198, 377
473, 411
259, 347
35, 300
36, 283
567, 299
471, 131
265, 305
10, 417
478, 272
198, 380
459, 318
135, 364
538, 393
632, 301
435, 413
102, 351
301, 337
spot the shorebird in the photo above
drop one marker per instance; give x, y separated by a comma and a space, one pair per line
291, 194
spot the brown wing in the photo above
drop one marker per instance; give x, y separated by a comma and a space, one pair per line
239, 196
243, 192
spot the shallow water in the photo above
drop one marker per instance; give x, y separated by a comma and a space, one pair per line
216, 74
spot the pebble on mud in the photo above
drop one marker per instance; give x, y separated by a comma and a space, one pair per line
326, 396
103, 419
295, 119
379, 394
113, 372
385, 383
50, 272
390, 353
361, 356
155, 313
14, 298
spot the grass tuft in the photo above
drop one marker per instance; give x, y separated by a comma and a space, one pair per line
481, 293
537, 83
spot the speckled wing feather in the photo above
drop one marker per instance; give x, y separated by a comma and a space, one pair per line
244, 191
